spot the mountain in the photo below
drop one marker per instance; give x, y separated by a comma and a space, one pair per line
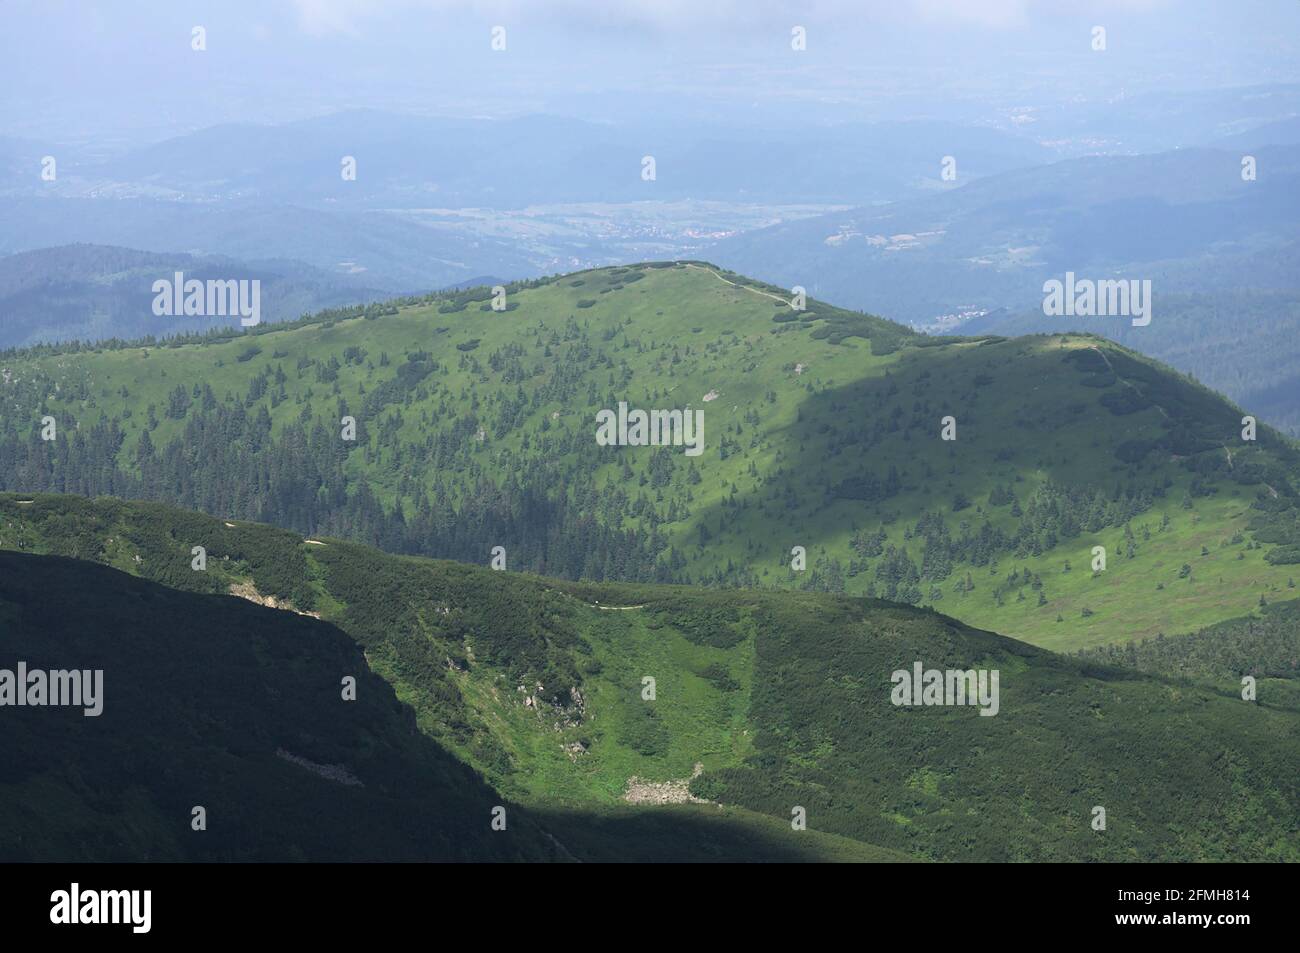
374, 249
94, 292
762, 702
422, 161
1204, 334
1220, 254
1186, 220
476, 429
215, 702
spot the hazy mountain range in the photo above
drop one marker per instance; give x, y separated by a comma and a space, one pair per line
96, 292
442, 202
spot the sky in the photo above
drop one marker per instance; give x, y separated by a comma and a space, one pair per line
123, 74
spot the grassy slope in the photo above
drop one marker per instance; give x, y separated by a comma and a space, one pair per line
1202, 334
781, 696
669, 337
950, 784
218, 684
199, 693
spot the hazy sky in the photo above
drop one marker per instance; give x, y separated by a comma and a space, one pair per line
125, 72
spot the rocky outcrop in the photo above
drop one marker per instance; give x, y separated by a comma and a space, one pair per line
246, 590
663, 792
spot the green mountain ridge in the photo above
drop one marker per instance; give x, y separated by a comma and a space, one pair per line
782, 700
210, 701
475, 429
1203, 335
1219, 252
216, 703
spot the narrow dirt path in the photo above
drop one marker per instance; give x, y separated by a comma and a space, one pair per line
765, 294
1123, 381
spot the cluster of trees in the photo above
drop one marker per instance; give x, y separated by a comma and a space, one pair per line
1068, 736
550, 516
1052, 513
228, 463
1267, 645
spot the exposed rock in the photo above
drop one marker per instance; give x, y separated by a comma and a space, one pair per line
575, 749
663, 792
246, 590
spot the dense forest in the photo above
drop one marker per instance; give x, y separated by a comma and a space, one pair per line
1265, 646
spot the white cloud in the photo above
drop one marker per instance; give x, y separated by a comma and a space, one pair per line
345, 16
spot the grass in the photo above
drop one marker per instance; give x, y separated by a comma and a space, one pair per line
800, 415
783, 697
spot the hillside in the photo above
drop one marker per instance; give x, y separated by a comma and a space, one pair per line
1184, 219
1202, 334
215, 702
475, 429
92, 292
780, 699
1220, 253
381, 251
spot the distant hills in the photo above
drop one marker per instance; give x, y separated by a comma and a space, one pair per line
435, 202
1221, 254
418, 162
96, 292
377, 250
438, 202
1184, 219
